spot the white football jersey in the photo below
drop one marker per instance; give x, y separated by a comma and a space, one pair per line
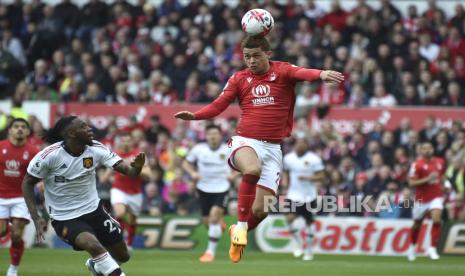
212, 165
70, 181
306, 165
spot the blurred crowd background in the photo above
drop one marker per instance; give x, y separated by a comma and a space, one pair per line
170, 53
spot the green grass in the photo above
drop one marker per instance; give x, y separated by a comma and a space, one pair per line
181, 263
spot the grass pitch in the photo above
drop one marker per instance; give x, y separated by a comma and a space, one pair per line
45, 262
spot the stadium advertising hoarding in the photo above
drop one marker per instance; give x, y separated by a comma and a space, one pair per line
342, 117
333, 235
361, 236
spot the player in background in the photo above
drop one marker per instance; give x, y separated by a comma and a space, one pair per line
265, 90
303, 169
68, 170
426, 175
207, 165
126, 191
15, 155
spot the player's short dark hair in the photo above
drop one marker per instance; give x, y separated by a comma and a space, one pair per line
213, 126
256, 42
14, 120
55, 134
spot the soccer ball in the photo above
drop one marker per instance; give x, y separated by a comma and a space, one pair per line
257, 22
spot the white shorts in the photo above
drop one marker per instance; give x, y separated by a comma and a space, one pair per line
420, 208
14, 208
270, 156
134, 202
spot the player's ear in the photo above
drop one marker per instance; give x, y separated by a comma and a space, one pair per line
70, 132
268, 54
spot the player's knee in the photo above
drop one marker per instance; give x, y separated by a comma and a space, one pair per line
253, 170
213, 220
119, 214
16, 236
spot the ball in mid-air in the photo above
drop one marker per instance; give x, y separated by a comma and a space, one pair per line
257, 22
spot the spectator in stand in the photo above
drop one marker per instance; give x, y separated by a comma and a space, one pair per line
381, 98
430, 130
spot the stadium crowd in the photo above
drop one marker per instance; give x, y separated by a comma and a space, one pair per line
360, 164
123, 53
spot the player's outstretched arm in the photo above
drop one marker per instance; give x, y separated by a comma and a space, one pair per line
303, 74
40, 223
132, 169
331, 76
185, 115
214, 108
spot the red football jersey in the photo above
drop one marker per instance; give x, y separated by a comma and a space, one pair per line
422, 168
127, 184
13, 164
267, 101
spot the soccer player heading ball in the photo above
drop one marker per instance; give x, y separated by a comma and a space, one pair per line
78, 217
265, 90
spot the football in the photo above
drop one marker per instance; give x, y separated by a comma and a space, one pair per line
257, 22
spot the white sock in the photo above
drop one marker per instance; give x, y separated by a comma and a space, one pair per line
295, 231
309, 239
13, 268
105, 264
241, 225
214, 234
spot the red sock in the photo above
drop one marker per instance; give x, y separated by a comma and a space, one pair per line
16, 252
246, 196
435, 234
414, 234
252, 222
131, 229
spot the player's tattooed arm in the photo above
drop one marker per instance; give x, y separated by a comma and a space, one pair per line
132, 169
40, 223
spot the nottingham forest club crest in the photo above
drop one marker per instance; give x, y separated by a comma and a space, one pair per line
88, 162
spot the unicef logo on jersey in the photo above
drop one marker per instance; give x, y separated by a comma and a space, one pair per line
12, 168
261, 90
261, 93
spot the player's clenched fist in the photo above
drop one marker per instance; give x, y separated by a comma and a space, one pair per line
331, 76
185, 115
